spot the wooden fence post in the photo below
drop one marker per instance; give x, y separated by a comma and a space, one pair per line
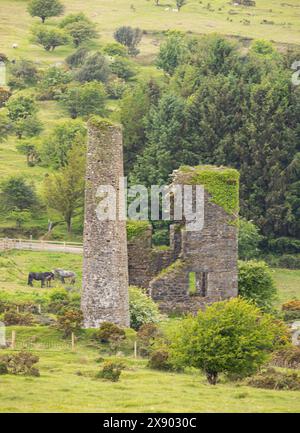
73, 341
135, 349
13, 340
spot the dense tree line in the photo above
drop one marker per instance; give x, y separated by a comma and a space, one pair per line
218, 105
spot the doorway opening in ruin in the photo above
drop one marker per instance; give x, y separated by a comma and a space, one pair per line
198, 283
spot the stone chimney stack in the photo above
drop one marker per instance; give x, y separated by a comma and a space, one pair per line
105, 265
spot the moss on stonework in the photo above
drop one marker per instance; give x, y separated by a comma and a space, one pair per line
221, 183
177, 265
136, 229
101, 122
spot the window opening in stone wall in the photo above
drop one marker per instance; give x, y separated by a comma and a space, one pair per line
198, 283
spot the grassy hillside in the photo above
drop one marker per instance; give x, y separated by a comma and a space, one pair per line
68, 384
270, 19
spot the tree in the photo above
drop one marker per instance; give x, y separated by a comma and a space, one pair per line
20, 216
95, 68
45, 8
180, 4
230, 337
256, 283
89, 98
18, 194
29, 149
249, 239
172, 52
135, 106
64, 191
166, 148
53, 82
27, 127
129, 37
55, 148
79, 27
123, 68
49, 37
77, 58
21, 107
24, 73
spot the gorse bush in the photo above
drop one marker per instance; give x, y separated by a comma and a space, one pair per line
142, 308
70, 321
288, 357
110, 371
293, 305
160, 360
22, 363
146, 336
109, 332
277, 380
15, 318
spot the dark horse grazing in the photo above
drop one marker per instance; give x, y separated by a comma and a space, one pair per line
41, 276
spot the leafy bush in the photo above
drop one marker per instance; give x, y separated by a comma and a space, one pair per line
122, 68
272, 379
21, 107
110, 371
85, 99
77, 58
232, 337
94, 68
109, 332
14, 318
160, 360
256, 283
288, 357
21, 363
53, 83
70, 321
116, 88
24, 73
115, 49
142, 308
249, 239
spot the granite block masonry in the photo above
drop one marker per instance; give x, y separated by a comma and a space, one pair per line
105, 263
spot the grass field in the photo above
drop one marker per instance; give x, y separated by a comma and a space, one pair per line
15, 266
270, 19
68, 384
